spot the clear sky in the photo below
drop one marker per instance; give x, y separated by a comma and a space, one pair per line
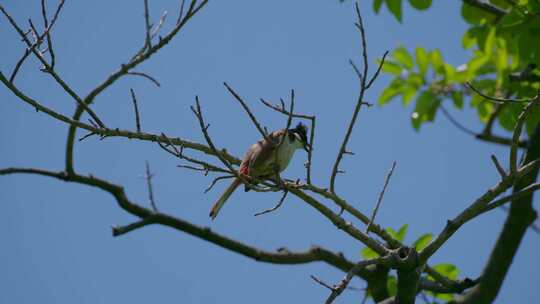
56, 238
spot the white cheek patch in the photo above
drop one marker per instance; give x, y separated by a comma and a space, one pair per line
297, 137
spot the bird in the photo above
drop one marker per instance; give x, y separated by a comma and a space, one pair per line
262, 161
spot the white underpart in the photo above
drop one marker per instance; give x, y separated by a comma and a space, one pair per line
286, 152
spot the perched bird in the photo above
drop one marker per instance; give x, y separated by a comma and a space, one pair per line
262, 160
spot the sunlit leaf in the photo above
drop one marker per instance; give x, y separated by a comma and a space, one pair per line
391, 68
402, 56
422, 59
422, 241
448, 270
368, 253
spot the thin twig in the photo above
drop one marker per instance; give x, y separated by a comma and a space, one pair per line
499, 100
136, 108
497, 164
155, 31
314, 278
18, 65
378, 70
48, 34
120, 230
180, 154
204, 129
152, 79
381, 195
280, 202
216, 180
148, 40
517, 132
364, 85
456, 123
181, 11
248, 111
148, 178
339, 288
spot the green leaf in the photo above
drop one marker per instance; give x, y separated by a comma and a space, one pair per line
395, 8
402, 56
414, 80
407, 94
377, 5
422, 241
471, 36
391, 285
457, 97
420, 4
513, 18
391, 68
422, 59
449, 72
474, 15
368, 253
387, 95
508, 116
426, 107
448, 270
400, 234
437, 61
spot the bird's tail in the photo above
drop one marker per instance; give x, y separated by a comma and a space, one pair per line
221, 201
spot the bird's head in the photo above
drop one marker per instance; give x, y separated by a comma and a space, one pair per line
300, 135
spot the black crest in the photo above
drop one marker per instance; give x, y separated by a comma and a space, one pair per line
301, 130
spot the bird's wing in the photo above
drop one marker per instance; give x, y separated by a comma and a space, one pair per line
262, 150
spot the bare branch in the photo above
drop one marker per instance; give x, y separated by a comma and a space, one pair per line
148, 178
248, 111
182, 2
204, 128
204, 233
339, 288
364, 85
280, 202
216, 180
206, 167
152, 79
517, 132
314, 278
475, 209
374, 77
487, 7
457, 123
148, 27
381, 195
156, 29
136, 109
500, 169
338, 221
499, 100
48, 68
18, 65
120, 230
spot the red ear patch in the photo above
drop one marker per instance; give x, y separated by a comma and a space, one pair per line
244, 170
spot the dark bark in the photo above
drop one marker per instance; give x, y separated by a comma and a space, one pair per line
520, 217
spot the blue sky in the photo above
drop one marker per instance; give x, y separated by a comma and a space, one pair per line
57, 243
